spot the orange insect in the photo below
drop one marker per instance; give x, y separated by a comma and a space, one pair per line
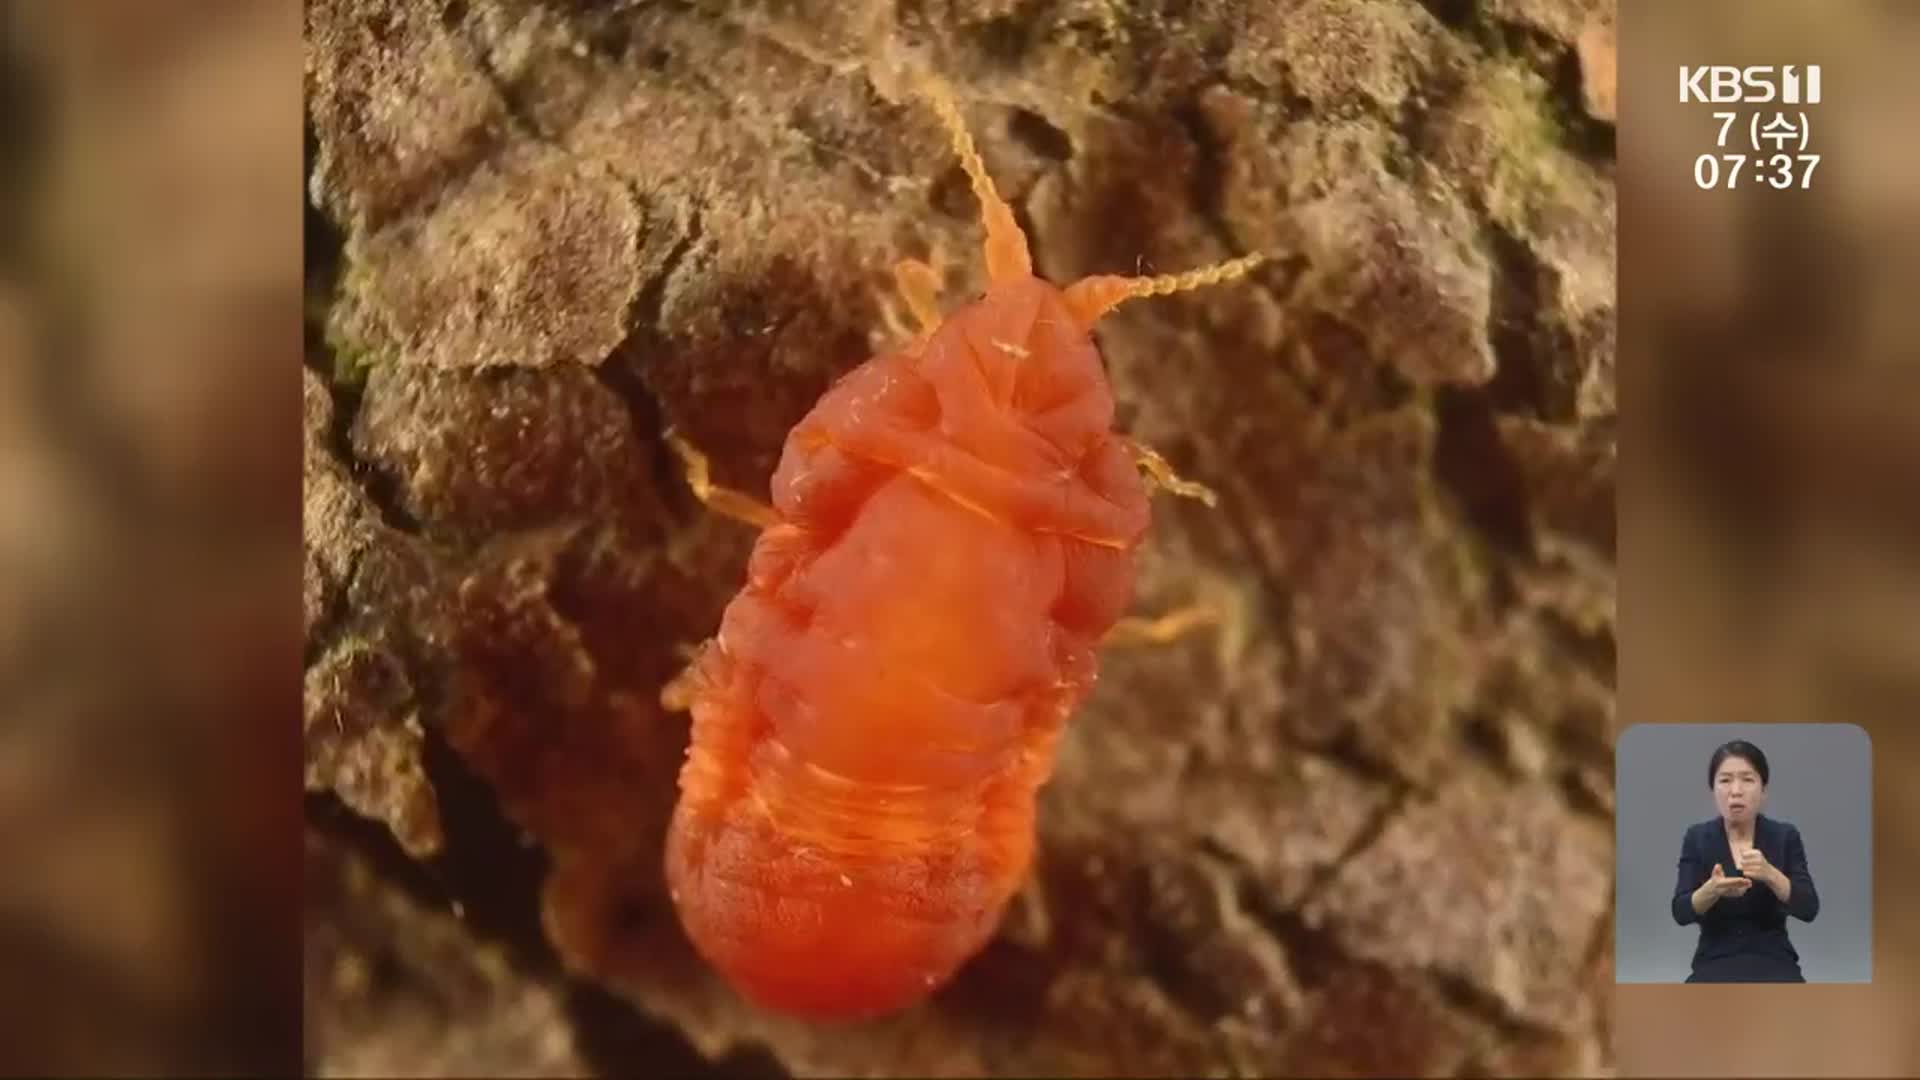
952, 536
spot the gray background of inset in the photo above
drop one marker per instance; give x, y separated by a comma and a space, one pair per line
1822, 782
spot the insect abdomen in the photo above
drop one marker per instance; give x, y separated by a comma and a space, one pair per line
885, 694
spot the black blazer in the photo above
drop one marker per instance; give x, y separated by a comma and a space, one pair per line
1744, 938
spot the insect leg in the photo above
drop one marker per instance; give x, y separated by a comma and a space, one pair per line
920, 285
678, 694
1163, 476
1142, 630
723, 501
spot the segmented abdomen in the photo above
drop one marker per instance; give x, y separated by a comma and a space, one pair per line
884, 696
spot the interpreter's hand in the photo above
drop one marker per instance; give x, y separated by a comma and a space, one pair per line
1755, 865
1720, 884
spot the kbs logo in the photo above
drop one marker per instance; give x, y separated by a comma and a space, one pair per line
1751, 85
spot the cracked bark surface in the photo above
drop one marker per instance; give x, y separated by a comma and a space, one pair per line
1362, 828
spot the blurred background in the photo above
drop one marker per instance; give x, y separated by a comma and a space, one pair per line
149, 537
1770, 481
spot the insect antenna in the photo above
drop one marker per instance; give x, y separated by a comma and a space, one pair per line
1006, 247
1095, 295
